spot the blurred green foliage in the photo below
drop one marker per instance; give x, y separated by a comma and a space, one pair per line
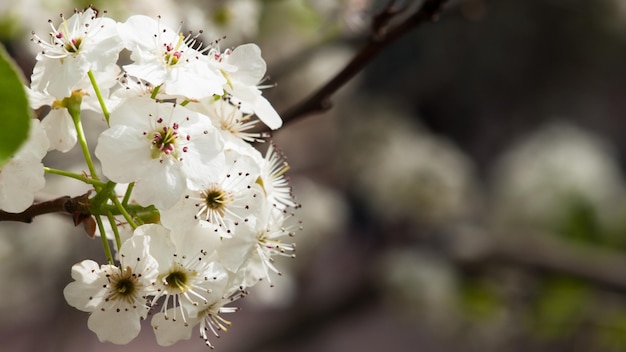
559, 307
480, 299
15, 111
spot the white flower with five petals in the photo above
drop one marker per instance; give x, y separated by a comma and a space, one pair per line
81, 43
159, 146
167, 58
224, 197
189, 279
115, 296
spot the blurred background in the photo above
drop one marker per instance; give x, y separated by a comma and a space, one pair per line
465, 193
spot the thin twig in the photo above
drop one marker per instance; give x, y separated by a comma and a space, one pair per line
382, 36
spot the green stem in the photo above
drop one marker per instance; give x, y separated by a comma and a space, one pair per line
155, 91
79, 177
96, 89
123, 211
132, 209
129, 191
82, 140
104, 193
105, 242
116, 231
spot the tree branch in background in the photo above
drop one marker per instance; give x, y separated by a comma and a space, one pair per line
478, 250
600, 266
382, 36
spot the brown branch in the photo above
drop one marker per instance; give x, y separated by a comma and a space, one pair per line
381, 37
75, 206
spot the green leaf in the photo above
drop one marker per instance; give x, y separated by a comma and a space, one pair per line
15, 113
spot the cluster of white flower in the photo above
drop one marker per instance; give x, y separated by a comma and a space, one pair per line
180, 119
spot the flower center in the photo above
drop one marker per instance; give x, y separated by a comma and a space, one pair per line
73, 45
172, 54
178, 278
171, 58
164, 141
213, 204
216, 200
124, 286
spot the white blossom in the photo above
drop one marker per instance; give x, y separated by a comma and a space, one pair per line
115, 297
236, 127
159, 146
189, 278
58, 122
166, 58
23, 175
81, 43
250, 252
276, 185
244, 70
208, 317
224, 197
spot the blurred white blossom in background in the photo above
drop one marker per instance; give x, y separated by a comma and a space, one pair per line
404, 172
420, 286
560, 163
